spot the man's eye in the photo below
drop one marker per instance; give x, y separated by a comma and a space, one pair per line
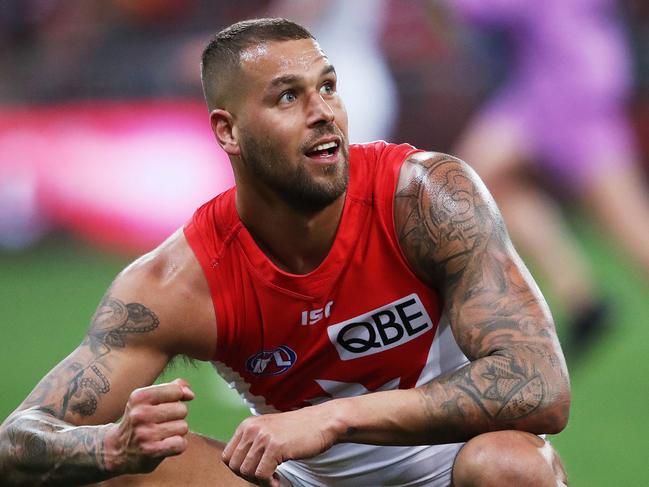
327, 89
287, 97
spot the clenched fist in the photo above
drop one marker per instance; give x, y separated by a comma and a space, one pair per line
152, 428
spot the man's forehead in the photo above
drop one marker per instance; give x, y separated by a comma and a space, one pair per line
281, 57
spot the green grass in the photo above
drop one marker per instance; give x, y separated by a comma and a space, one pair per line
607, 440
48, 293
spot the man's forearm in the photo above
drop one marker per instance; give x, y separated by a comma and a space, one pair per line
39, 449
496, 392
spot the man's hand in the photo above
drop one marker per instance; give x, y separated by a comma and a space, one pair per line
153, 427
261, 443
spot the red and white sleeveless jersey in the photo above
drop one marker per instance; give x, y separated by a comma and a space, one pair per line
360, 322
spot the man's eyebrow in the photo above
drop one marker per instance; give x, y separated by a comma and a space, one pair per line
288, 79
329, 68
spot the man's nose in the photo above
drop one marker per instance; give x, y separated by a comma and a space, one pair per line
319, 111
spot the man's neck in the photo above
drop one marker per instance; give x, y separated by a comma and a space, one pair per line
295, 241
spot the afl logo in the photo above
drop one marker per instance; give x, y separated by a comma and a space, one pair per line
271, 362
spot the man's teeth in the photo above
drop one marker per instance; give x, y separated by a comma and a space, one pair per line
326, 146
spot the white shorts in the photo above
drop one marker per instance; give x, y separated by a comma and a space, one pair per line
427, 466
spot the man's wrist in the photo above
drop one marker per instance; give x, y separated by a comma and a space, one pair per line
338, 415
112, 454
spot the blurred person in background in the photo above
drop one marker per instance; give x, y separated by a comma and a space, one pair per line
560, 114
264, 281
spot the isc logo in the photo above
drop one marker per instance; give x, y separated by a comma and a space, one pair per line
380, 329
311, 317
271, 362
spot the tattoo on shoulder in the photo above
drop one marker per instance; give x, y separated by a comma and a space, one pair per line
442, 219
85, 383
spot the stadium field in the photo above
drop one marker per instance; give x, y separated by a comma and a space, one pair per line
48, 293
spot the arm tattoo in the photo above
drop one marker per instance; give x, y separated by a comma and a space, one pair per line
442, 228
454, 238
52, 453
112, 323
513, 388
42, 446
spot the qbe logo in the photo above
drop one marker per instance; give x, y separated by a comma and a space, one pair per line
271, 362
381, 329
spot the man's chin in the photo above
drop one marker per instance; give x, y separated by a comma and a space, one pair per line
315, 197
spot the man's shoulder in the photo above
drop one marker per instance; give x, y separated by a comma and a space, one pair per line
219, 206
170, 281
381, 150
374, 169
436, 168
213, 219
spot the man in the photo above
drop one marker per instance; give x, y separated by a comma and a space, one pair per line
374, 331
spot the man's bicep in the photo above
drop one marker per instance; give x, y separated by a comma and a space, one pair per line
444, 217
118, 354
454, 238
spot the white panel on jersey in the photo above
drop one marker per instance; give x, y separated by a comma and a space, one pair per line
444, 355
257, 404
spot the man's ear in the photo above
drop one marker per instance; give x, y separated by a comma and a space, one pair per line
222, 123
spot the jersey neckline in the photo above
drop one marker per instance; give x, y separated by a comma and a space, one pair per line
313, 283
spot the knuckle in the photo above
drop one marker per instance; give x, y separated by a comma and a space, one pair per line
183, 444
248, 423
139, 415
234, 464
179, 410
141, 435
148, 449
241, 449
139, 396
184, 409
247, 469
177, 446
175, 391
262, 473
136, 416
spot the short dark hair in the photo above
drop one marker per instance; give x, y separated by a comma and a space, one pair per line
221, 57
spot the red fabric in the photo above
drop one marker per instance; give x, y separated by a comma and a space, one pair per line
260, 308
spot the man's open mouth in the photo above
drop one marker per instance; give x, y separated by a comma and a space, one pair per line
323, 151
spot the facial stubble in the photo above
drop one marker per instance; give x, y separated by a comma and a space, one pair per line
295, 185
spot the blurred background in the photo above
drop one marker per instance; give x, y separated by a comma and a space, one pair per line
105, 149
